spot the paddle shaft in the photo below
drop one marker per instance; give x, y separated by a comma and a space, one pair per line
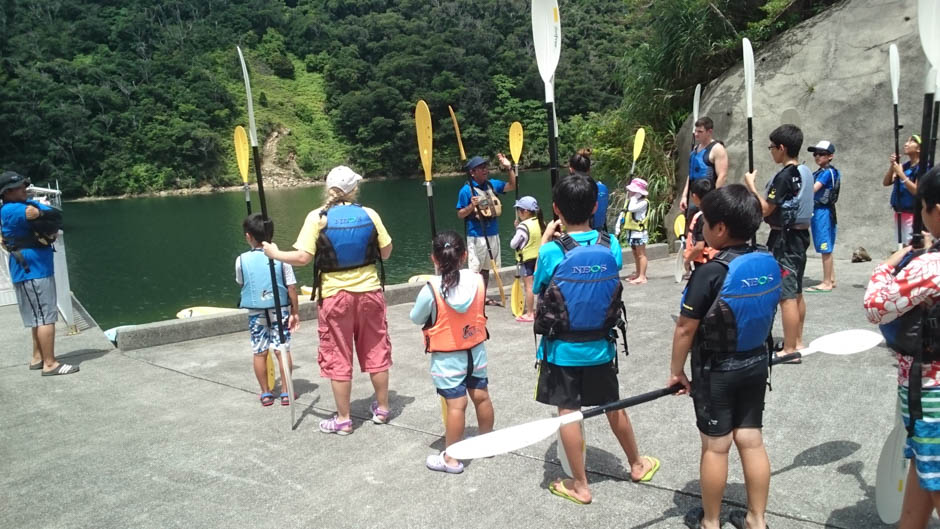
655, 394
431, 209
269, 233
552, 144
932, 149
917, 238
897, 156
248, 198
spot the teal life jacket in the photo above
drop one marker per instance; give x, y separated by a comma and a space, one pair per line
349, 240
256, 282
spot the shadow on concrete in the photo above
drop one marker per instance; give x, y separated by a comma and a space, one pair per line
310, 410
863, 509
396, 401
302, 386
824, 454
80, 356
690, 497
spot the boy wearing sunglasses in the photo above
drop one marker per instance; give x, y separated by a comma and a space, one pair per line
826, 186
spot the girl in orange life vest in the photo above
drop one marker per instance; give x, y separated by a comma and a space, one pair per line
451, 308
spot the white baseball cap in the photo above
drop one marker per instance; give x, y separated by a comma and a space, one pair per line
343, 178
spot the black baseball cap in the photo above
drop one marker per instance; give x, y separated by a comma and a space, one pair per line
12, 180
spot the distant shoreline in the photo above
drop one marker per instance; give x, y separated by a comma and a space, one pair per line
208, 190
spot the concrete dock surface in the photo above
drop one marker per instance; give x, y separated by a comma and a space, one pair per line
174, 436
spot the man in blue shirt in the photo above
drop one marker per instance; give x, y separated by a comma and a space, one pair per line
31, 269
480, 210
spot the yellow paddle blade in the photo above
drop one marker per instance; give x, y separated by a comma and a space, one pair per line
241, 152
420, 278
515, 141
517, 298
453, 117
678, 227
638, 143
269, 363
425, 139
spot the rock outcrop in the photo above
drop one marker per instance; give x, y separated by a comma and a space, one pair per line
830, 75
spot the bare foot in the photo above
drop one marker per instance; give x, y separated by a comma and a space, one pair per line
638, 280
640, 468
631, 277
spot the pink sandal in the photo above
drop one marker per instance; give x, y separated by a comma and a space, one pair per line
332, 425
379, 416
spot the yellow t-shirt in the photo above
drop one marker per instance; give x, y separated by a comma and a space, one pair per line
362, 279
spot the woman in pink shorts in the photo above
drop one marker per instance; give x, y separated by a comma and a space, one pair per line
345, 241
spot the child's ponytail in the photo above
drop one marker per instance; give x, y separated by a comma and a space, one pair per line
538, 215
448, 248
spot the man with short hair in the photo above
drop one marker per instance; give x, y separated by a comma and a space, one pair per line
784, 209
708, 159
480, 209
31, 269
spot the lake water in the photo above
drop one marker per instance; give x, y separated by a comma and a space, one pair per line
143, 259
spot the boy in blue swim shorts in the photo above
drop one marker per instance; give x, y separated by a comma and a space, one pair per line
252, 272
827, 183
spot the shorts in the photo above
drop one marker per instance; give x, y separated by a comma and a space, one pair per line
730, 400
460, 390
353, 318
789, 249
450, 370
528, 268
36, 299
637, 238
924, 446
571, 387
263, 333
907, 226
824, 231
478, 258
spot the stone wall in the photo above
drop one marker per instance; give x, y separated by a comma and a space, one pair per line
830, 75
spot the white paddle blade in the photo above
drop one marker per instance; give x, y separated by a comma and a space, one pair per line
844, 342
546, 35
505, 440
695, 103
252, 134
892, 473
748, 76
928, 23
930, 82
679, 269
894, 62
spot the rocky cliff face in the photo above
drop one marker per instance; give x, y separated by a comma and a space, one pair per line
830, 76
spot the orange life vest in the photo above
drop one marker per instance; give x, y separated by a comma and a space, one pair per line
709, 252
455, 331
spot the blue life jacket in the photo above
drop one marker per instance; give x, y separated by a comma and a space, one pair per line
348, 241
700, 166
256, 282
828, 196
740, 318
901, 199
582, 301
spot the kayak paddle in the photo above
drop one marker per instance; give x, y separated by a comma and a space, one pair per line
546, 36
891, 475
526, 434
679, 227
749, 107
287, 384
425, 147
453, 117
894, 65
516, 294
638, 139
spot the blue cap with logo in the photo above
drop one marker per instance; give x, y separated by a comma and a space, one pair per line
527, 203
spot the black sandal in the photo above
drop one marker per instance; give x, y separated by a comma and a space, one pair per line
739, 520
63, 369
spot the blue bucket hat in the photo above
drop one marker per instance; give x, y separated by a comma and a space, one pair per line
474, 162
527, 203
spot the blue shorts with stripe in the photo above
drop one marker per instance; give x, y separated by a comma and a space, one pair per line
824, 230
924, 446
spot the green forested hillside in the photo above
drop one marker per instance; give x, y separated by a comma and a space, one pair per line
116, 96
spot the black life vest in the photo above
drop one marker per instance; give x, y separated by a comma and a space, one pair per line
830, 195
43, 230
